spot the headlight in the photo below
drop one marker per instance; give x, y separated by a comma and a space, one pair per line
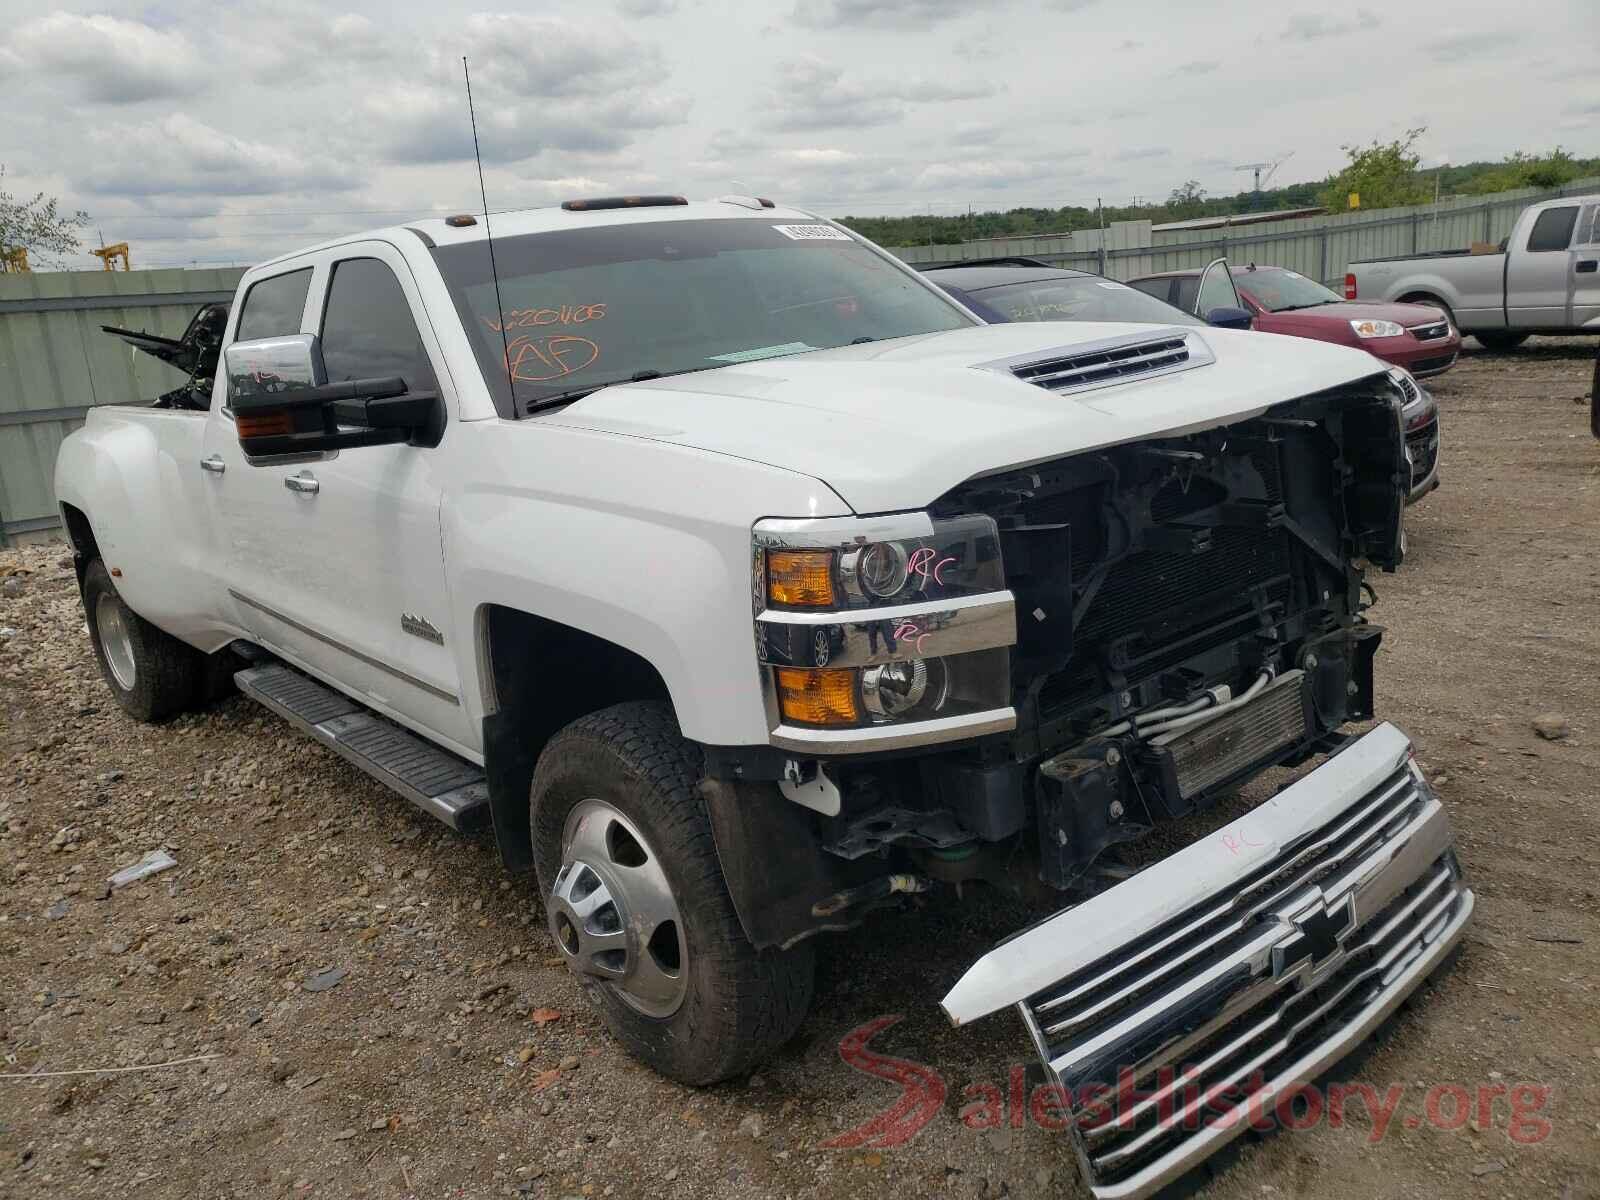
1373, 329
864, 624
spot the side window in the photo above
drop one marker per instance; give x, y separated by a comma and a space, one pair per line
367, 328
1589, 226
1216, 291
1161, 289
1553, 229
1183, 294
273, 307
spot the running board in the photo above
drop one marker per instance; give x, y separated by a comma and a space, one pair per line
435, 780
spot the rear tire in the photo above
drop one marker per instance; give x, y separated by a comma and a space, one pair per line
1499, 343
152, 674
711, 1006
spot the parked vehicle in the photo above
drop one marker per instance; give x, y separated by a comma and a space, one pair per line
546, 537
1544, 279
1414, 336
1024, 289
1019, 289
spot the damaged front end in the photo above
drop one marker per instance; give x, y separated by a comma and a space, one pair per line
1171, 1007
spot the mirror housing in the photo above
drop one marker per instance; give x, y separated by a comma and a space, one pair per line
282, 403
1229, 318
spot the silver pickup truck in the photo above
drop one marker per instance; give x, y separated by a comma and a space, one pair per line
1545, 279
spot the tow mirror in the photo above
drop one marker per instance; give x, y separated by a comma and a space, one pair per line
1229, 318
282, 403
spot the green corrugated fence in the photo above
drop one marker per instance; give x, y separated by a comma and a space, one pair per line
55, 364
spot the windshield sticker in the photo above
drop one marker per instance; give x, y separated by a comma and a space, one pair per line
743, 356
813, 233
567, 314
552, 356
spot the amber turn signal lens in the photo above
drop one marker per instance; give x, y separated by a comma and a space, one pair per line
278, 423
800, 577
818, 697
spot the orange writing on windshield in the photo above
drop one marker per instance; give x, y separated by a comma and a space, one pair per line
541, 359
566, 314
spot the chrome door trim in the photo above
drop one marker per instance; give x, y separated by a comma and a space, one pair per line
447, 697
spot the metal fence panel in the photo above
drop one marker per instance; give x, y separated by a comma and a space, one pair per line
1321, 247
55, 364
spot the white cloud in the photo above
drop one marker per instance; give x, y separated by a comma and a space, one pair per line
647, 8
813, 94
106, 59
901, 15
179, 155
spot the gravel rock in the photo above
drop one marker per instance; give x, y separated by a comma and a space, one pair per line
1552, 727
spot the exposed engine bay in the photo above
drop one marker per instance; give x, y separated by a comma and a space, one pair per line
1189, 611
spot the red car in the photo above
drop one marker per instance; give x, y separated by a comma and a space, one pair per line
1418, 337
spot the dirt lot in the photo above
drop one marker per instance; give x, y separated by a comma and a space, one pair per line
420, 1072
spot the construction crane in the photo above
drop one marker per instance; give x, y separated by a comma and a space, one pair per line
109, 255
1271, 169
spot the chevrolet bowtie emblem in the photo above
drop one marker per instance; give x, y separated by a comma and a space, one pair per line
1315, 946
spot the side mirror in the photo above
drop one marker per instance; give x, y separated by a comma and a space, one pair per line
1229, 318
282, 403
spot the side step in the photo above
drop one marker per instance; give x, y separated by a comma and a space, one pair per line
435, 780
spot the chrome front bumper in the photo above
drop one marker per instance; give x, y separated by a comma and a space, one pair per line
1248, 962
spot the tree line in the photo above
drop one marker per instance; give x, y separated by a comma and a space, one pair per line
1381, 174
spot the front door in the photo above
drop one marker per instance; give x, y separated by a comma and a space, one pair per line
349, 577
1539, 271
1585, 256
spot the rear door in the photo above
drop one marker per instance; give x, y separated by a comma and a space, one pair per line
1539, 270
1585, 257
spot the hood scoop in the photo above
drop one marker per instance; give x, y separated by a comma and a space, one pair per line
1100, 364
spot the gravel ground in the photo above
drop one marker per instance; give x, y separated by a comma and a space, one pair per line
453, 1057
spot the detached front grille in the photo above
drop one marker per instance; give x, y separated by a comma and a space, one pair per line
1251, 990
1105, 364
1427, 333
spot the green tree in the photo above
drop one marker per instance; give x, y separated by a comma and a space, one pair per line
1383, 174
1527, 170
1187, 201
38, 226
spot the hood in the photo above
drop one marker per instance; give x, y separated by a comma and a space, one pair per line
894, 425
1365, 310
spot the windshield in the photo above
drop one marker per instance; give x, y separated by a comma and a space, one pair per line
585, 308
1073, 298
1277, 290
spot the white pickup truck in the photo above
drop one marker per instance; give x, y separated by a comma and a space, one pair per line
744, 580
1545, 278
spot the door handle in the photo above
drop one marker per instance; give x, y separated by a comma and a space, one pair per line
214, 464
1587, 266
305, 483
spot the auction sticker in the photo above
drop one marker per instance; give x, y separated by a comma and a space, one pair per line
813, 233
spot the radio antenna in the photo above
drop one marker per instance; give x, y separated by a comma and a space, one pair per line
488, 234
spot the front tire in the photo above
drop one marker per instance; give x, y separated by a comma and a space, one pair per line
152, 674
1499, 343
638, 907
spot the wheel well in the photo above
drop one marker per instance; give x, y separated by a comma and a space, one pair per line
1423, 298
82, 536
540, 676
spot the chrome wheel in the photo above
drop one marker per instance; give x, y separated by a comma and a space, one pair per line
613, 914
116, 640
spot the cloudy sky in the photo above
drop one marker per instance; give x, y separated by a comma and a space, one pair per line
231, 131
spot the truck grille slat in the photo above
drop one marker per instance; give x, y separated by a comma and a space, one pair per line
1225, 1000
1078, 370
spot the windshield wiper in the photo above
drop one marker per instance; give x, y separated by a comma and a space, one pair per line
578, 393
1298, 307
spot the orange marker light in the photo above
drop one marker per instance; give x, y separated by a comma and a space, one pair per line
816, 697
275, 423
800, 577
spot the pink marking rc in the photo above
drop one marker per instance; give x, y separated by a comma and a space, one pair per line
1240, 841
908, 631
921, 557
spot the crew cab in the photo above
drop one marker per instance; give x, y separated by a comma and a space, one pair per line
1544, 278
744, 581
